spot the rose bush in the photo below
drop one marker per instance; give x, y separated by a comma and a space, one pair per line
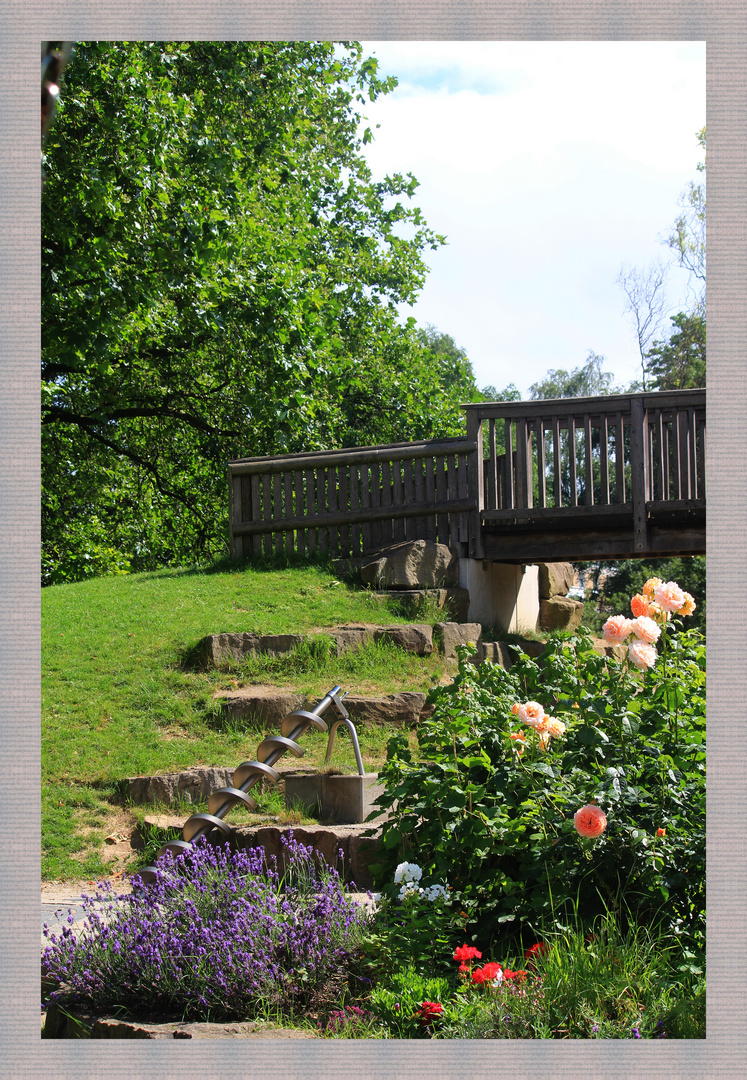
490, 806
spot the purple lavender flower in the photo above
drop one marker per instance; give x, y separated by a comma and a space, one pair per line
217, 934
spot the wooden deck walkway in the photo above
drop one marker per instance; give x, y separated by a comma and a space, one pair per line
576, 478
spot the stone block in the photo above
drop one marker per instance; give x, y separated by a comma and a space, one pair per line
217, 649
415, 638
339, 799
560, 613
191, 785
268, 706
451, 636
411, 564
497, 652
555, 579
327, 840
403, 709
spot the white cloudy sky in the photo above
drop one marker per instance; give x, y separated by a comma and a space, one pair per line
547, 165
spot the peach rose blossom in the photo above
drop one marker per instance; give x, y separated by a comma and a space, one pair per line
650, 586
639, 605
646, 629
555, 727
656, 613
616, 629
689, 605
590, 821
532, 713
641, 654
515, 710
661, 832
669, 596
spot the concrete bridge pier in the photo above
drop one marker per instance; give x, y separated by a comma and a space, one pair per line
503, 595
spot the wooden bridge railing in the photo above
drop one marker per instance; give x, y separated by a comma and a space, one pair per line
347, 502
619, 467
587, 461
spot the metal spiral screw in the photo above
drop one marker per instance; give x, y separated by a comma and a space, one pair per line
248, 773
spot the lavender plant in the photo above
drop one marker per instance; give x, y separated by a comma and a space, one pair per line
217, 935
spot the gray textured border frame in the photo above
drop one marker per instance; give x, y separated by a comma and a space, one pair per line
723, 24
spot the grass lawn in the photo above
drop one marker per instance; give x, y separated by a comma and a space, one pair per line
118, 700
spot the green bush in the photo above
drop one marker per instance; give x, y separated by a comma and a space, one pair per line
495, 817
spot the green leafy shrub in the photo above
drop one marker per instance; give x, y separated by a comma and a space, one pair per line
494, 815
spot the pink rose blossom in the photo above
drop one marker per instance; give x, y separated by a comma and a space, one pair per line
532, 713
616, 629
645, 629
669, 596
590, 820
641, 654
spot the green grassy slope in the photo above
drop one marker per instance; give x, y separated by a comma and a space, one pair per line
118, 701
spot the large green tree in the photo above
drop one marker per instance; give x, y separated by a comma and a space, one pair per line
221, 277
680, 362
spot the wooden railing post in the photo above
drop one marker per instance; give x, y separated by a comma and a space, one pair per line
638, 472
476, 483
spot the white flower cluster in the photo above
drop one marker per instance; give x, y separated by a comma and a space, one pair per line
407, 872
408, 875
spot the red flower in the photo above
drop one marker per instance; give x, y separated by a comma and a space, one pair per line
518, 975
487, 973
467, 952
540, 949
428, 1010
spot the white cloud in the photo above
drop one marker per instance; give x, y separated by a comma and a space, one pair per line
547, 164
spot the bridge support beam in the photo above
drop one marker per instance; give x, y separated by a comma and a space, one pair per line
502, 595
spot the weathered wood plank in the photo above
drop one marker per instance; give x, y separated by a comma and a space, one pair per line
620, 496
267, 511
523, 490
431, 525
344, 506
311, 537
638, 475
442, 497
491, 496
604, 461
288, 511
370, 516
556, 466
510, 488
318, 459
588, 462
539, 429
277, 508
353, 484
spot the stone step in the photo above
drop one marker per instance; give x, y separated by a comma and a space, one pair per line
216, 649
269, 707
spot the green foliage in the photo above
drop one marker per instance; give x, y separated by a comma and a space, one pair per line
413, 933
607, 984
498, 824
680, 362
586, 381
614, 583
221, 277
396, 1002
